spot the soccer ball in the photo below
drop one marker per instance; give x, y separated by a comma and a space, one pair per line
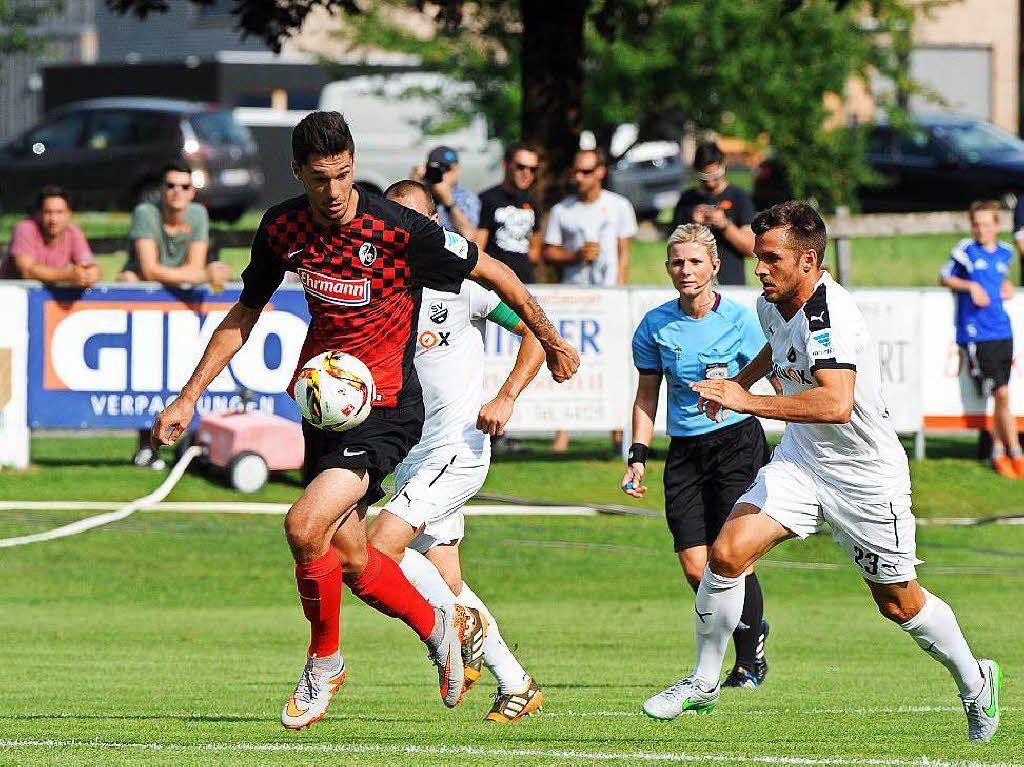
335, 391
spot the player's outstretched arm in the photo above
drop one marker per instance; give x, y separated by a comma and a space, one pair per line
563, 361
830, 402
496, 413
750, 374
225, 342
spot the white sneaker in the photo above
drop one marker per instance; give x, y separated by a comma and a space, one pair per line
147, 456
313, 694
457, 649
983, 709
685, 695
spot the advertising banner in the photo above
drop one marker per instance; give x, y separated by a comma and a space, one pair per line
949, 398
596, 322
13, 391
114, 357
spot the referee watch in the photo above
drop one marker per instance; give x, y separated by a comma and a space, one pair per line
638, 453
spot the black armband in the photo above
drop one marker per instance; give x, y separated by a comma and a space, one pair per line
638, 453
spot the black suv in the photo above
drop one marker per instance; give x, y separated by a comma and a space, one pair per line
944, 163
107, 153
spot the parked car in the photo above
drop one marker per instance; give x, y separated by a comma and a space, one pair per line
650, 175
942, 164
107, 153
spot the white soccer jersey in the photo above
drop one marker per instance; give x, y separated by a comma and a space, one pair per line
862, 459
450, 364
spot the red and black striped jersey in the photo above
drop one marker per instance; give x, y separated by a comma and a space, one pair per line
362, 281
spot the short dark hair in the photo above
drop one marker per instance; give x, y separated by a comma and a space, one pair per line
51, 190
599, 156
407, 188
323, 134
707, 153
519, 146
805, 226
178, 166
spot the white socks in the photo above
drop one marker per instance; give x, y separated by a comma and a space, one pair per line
935, 629
498, 658
718, 607
426, 579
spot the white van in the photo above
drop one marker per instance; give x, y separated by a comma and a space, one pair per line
388, 122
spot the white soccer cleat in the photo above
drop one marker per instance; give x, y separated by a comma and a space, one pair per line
312, 695
458, 652
983, 710
685, 695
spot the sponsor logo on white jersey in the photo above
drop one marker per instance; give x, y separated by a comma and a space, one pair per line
334, 290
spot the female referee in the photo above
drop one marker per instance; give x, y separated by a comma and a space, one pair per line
697, 336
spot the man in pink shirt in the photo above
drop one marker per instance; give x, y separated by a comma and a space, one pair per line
48, 247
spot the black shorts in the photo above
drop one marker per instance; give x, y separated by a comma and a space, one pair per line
705, 475
989, 363
378, 444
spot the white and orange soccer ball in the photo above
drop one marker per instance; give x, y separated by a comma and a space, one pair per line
335, 391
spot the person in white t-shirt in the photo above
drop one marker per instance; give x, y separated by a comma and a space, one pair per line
588, 236
840, 461
588, 232
423, 523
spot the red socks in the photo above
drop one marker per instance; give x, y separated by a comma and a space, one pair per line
385, 588
320, 592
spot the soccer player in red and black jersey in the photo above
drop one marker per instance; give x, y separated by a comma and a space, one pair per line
362, 261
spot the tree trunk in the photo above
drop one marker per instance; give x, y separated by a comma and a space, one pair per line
552, 85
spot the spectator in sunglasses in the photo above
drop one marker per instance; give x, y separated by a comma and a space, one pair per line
510, 216
170, 241
725, 209
170, 244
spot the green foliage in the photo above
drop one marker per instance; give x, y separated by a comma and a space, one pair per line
747, 69
16, 18
483, 52
743, 69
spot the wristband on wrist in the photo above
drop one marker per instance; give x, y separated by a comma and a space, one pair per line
638, 453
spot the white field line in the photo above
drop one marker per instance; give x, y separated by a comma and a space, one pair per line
81, 525
219, 507
480, 510
398, 749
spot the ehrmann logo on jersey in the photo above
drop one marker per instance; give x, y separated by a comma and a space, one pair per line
334, 290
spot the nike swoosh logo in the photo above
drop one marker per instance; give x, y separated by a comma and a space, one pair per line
293, 710
296, 252
991, 709
348, 452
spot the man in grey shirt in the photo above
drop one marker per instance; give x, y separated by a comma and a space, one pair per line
170, 244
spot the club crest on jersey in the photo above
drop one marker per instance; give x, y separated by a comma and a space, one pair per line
438, 313
334, 290
367, 254
791, 355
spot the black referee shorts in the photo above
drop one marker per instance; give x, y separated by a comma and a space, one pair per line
989, 364
378, 444
705, 475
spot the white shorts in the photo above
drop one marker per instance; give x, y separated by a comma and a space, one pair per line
432, 494
880, 539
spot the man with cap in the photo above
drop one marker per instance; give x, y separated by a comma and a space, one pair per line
725, 209
458, 209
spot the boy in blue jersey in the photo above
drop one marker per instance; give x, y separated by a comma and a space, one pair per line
977, 273
696, 336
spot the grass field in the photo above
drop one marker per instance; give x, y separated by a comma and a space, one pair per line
172, 638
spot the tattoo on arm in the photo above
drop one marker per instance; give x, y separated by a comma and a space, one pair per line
538, 322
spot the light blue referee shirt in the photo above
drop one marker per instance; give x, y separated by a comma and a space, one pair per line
670, 343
